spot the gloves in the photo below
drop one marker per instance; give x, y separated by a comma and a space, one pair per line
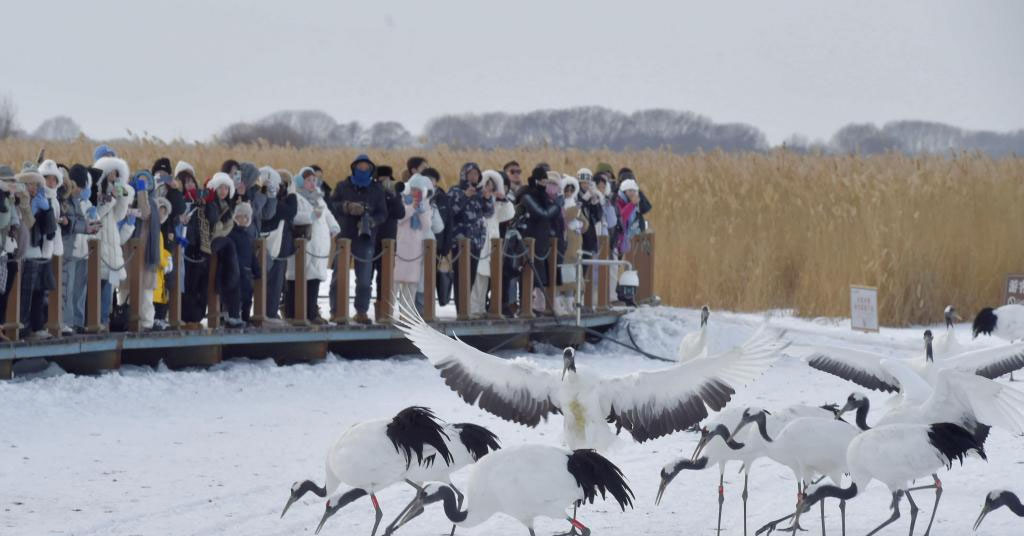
39, 202
139, 184
353, 209
180, 238
130, 220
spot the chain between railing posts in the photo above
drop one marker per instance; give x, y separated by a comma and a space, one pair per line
603, 285
552, 289
496, 280
259, 284
300, 318
526, 280
56, 297
12, 324
92, 289
212, 296
341, 263
136, 265
462, 300
386, 292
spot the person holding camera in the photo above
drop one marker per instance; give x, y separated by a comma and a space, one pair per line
471, 206
360, 208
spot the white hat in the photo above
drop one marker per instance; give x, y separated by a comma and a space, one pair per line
584, 174
495, 178
109, 164
421, 183
184, 166
221, 179
627, 185
49, 167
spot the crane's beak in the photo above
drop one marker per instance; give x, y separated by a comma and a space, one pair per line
565, 367
328, 512
665, 480
291, 501
704, 439
984, 512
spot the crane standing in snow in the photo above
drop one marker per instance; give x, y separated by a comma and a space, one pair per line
649, 404
531, 481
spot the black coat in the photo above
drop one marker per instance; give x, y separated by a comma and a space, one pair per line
543, 217
445, 239
372, 199
396, 211
247, 262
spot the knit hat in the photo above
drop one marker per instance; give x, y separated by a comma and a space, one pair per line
628, 184
626, 174
6, 172
101, 151
221, 179
49, 167
161, 164
243, 209
538, 174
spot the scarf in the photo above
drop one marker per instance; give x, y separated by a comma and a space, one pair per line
361, 178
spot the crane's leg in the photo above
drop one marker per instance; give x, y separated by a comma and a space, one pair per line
745, 477
938, 494
796, 515
821, 504
913, 513
721, 499
378, 514
895, 512
574, 525
842, 512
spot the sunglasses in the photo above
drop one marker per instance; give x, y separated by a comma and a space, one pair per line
515, 172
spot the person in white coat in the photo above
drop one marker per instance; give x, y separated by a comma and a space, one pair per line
113, 198
503, 211
421, 221
314, 213
37, 277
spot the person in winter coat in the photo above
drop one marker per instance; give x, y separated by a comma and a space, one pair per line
207, 235
442, 205
112, 198
396, 211
37, 278
79, 228
576, 224
314, 213
185, 174
239, 303
419, 222
10, 190
493, 185
161, 292
250, 189
280, 241
361, 208
543, 214
631, 207
471, 205
146, 223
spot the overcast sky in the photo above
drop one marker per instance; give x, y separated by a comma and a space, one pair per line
188, 68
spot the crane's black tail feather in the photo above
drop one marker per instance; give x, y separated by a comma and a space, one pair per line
414, 428
478, 440
595, 474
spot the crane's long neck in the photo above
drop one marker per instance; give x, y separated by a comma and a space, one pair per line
451, 504
762, 428
722, 431
862, 415
310, 486
929, 355
835, 492
1013, 503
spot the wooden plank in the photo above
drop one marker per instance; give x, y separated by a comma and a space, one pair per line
552, 289
259, 284
526, 281
386, 292
429, 279
177, 273
496, 265
55, 311
603, 288
462, 300
136, 265
341, 264
92, 289
212, 296
301, 318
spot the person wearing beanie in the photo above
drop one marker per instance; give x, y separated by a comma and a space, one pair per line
161, 167
103, 150
631, 209
239, 301
396, 211
359, 206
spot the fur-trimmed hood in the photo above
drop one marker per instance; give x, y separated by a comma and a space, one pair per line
109, 164
494, 177
30, 177
569, 180
221, 179
421, 183
184, 166
49, 167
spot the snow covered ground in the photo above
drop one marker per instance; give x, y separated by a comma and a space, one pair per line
215, 452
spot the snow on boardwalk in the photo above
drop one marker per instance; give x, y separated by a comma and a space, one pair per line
214, 452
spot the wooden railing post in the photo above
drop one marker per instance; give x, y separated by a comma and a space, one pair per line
174, 300
341, 290
496, 265
135, 268
552, 288
12, 324
588, 284
429, 279
462, 300
92, 289
300, 317
212, 296
386, 292
603, 288
259, 284
55, 314
526, 280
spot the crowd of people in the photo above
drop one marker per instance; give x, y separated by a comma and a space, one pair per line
49, 209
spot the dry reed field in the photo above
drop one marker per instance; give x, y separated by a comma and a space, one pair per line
750, 232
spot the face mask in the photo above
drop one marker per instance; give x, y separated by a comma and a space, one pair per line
361, 177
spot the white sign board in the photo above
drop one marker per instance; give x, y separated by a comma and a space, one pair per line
864, 308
